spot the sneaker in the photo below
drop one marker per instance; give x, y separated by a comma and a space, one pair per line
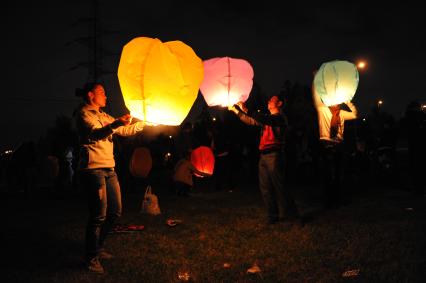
105, 255
95, 266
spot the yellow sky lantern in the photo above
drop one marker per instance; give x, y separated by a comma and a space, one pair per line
159, 81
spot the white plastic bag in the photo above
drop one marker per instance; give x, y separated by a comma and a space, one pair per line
150, 203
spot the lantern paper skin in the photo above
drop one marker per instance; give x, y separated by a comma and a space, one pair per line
336, 82
141, 162
159, 81
202, 159
226, 81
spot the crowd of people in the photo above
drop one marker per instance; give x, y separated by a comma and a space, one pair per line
267, 146
99, 179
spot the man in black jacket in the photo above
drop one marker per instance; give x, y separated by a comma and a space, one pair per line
278, 199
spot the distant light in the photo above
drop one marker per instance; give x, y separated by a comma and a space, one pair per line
380, 102
214, 119
167, 157
258, 110
424, 106
363, 119
170, 137
183, 276
361, 65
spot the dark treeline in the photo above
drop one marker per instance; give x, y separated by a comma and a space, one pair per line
379, 149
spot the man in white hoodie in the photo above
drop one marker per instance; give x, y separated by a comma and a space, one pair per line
331, 122
98, 177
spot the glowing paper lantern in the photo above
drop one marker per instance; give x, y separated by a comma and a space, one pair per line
159, 81
203, 159
226, 81
141, 162
336, 82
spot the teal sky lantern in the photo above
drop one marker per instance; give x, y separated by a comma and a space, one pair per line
336, 82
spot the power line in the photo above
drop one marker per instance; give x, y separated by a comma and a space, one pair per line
41, 100
23, 99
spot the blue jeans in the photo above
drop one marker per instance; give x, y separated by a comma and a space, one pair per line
104, 199
278, 199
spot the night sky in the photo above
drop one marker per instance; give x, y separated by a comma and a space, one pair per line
40, 51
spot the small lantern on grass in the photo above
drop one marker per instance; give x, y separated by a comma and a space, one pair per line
202, 158
141, 162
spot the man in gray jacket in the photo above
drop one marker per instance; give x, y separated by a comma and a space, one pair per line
98, 177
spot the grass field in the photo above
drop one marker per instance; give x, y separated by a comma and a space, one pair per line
379, 236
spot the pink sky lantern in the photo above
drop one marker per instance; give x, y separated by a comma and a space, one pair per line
202, 159
226, 81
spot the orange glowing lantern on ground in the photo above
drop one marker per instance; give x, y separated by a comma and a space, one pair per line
226, 81
159, 81
203, 159
141, 162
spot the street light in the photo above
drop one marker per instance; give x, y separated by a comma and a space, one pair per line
361, 65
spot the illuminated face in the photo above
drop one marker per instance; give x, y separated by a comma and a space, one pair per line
274, 104
98, 97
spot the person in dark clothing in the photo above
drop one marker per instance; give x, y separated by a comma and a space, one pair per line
184, 140
415, 125
222, 150
278, 199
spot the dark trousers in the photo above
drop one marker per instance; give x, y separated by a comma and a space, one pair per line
277, 197
331, 173
182, 189
223, 173
104, 200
